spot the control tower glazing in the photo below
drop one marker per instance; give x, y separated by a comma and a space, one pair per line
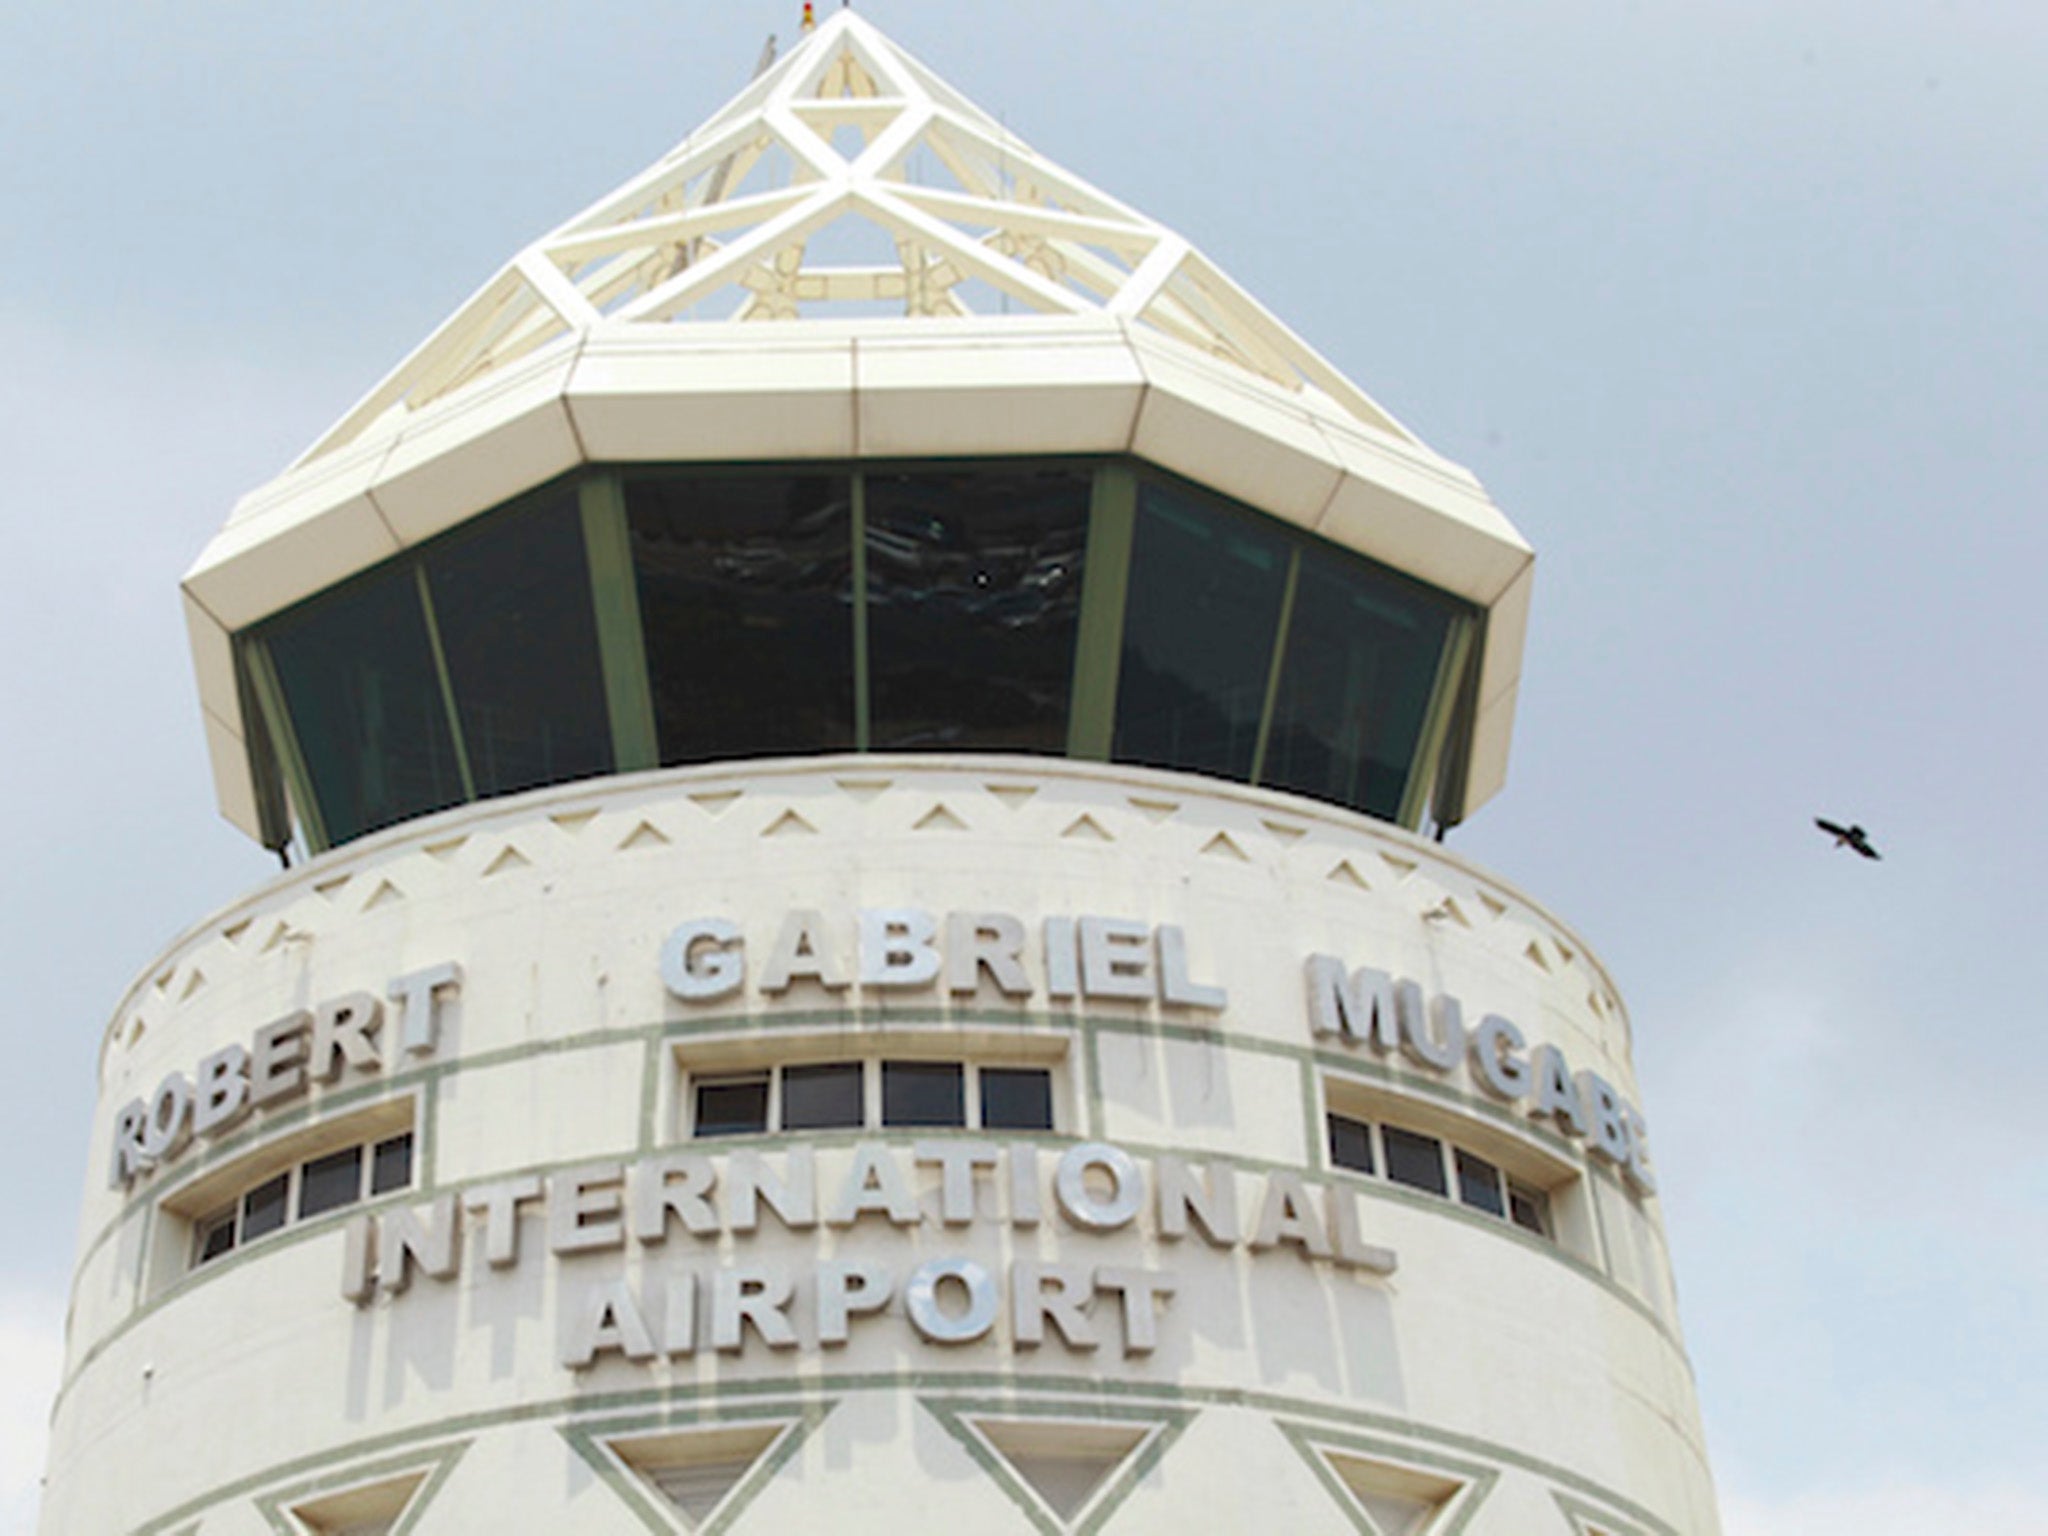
856, 738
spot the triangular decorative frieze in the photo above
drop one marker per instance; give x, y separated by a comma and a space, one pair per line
385, 1498
1067, 1469
693, 1477
1389, 1490
1586, 1520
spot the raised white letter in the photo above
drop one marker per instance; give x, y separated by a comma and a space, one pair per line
703, 959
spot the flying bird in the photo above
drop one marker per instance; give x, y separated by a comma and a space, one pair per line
1848, 837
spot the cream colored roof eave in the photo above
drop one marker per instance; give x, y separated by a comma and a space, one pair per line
848, 391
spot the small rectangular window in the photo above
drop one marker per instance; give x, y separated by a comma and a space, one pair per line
264, 1208
1351, 1144
328, 1183
391, 1164
1417, 1161
923, 1093
1529, 1208
732, 1106
822, 1098
1479, 1184
216, 1236
1016, 1099
379, 1163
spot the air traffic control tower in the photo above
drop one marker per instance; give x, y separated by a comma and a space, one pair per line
858, 736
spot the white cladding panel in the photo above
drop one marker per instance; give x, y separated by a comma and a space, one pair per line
1521, 1382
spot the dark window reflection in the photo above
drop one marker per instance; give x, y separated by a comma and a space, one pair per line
263, 1208
512, 606
391, 1164
365, 703
1479, 1184
1016, 1099
923, 1093
1529, 1208
328, 1183
733, 1106
1363, 648
746, 602
1199, 624
1351, 1144
216, 1237
972, 600
1417, 1161
974, 592
821, 1098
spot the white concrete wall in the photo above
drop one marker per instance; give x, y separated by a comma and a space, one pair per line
1542, 1381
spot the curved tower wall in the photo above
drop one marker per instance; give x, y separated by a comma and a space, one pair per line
888, 1139
1369, 1321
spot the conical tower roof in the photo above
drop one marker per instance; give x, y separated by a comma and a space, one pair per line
848, 180
851, 262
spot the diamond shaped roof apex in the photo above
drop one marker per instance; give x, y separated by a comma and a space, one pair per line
848, 181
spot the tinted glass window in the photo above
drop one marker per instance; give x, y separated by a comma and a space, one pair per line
973, 593
328, 1183
365, 703
513, 610
923, 1093
1415, 1160
1200, 619
821, 1098
1529, 1208
1360, 667
1479, 1184
1016, 1098
968, 617
217, 1237
1351, 1144
732, 1106
263, 1208
391, 1164
746, 604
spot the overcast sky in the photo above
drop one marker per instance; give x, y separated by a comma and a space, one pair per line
1737, 309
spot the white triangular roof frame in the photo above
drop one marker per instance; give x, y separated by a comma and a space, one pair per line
691, 238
